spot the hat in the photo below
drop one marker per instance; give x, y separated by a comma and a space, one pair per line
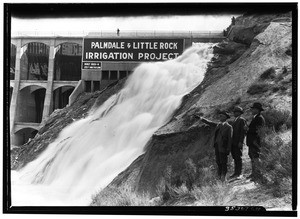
238, 109
258, 106
223, 112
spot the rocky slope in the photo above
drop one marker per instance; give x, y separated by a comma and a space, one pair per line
237, 66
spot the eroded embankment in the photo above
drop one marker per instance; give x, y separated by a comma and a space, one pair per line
239, 64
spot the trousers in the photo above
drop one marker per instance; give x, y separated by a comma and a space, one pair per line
256, 165
253, 143
221, 160
236, 153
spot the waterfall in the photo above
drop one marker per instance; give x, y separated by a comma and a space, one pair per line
90, 152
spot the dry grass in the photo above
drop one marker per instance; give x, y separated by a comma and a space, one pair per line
120, 196
218, 194
207, 190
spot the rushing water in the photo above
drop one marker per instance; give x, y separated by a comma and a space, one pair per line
90, 152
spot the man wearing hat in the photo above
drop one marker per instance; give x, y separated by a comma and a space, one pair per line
239, 126
253, 139
221, 141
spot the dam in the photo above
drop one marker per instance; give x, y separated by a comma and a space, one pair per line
49, 72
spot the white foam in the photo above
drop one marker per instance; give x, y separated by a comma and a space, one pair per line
90, 152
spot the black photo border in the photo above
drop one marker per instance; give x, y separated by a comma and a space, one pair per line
43, 10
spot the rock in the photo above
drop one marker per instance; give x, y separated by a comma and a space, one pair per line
229, 48
249, 25
277, 32
241, 34
224, 51
282, 19
245, 35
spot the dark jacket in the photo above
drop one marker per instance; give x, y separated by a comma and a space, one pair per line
252, 134
239, 130
222, 135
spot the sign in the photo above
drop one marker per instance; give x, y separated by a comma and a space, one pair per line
91, 65
131, 50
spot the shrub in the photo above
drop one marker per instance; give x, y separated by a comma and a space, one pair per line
207, 176
277, 118
284, 70
275, 89
195, 184
120, 196
214, 194
258, 88
190, 173
173, 183
283, 88
276, 162
268, 74
279, 78
162, 190
187, 174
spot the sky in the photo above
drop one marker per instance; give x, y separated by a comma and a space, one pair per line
125, 16
137, 23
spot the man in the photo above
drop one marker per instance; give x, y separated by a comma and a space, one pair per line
239, 131
221, 141
253, 139
233, 21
